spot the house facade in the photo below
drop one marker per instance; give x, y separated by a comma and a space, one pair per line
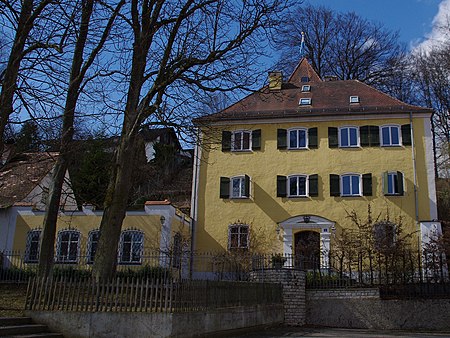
288, 164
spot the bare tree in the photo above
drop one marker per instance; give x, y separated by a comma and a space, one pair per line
21, 18
82, 60
178, 49
338, 44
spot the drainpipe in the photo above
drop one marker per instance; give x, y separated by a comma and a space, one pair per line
194, 198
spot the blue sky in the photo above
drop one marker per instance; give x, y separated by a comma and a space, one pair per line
414, 19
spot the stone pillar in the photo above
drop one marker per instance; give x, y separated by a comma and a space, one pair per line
294, 294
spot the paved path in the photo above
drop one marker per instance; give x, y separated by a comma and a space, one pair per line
328, 332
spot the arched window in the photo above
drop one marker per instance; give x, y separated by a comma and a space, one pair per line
93, 237
32, 246
238, 236
68, 246
131, 246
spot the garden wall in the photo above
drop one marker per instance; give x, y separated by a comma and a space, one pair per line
136, 325
363, 308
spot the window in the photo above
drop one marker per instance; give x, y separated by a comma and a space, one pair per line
351, 185
393, 183
238, 236
390, 136
238, 187
235, 187
297, 186
130, 247
67, 247
297, 138
177, 250
92, 245
354, 99
304, 79
369, 136
306, 88
306, 101
384, 235
32, 248
241, 140
348, 137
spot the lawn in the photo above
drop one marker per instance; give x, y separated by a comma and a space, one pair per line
12, 299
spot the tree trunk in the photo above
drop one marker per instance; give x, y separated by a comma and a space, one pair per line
115, 207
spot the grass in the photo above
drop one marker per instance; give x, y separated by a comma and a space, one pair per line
12, 299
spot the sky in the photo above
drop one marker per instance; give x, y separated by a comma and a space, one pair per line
415, 20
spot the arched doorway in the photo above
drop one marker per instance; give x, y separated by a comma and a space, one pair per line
307, 249
322, 228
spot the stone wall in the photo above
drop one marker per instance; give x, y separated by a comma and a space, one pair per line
293, 282
362, 308
140, 325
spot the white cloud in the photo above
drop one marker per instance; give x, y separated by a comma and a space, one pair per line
441, 28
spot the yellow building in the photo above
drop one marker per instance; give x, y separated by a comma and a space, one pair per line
290, 162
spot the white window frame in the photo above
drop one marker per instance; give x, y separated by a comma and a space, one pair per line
241, 148
304, 101
341, 184
354, 99
90, 244
64, 257
394, 174
297, 130
349, 138
120, 255
239, 227
289, 185
241, 179
399, 130
306, 88
30, 241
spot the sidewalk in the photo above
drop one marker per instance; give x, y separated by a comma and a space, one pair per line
284, 331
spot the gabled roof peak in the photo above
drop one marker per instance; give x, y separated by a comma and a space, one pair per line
303, 70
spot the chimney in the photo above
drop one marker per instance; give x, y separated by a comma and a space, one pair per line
275, 80
330, 78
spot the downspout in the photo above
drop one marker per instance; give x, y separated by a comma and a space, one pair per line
194, 199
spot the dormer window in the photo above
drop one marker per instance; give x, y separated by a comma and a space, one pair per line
305, 101
306, 88
305, 79
354, 99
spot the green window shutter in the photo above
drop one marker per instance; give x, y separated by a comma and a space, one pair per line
281, 138
367, 184
374, 136
333, 137
281, 186
256, 139
226, 140
399, 183
224, 187
334, 185
364, 136
385, 183
312, 138
247, 186
313, 185
406, 134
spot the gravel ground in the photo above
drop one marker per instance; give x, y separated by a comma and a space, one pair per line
12, 299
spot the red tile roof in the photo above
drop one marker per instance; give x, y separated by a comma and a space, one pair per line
22, 174
328, 98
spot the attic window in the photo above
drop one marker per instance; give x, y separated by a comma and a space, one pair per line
306, 88
354, 99
305, 79
305, 101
